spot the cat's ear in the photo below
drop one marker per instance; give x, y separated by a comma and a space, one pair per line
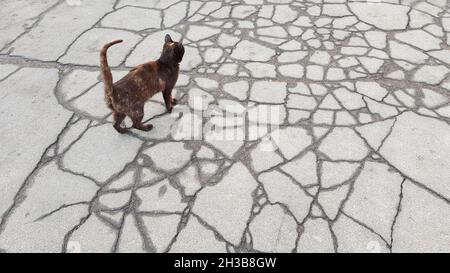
168, 39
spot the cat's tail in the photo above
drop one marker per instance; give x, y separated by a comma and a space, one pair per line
106, 71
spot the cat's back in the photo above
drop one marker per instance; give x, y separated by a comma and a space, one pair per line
138, 74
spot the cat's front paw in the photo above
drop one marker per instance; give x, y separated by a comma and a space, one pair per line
147, 127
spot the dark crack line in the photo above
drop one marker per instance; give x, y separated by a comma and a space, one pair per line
399, 209
59, 209
368, 228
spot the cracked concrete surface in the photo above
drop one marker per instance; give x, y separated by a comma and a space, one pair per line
361, 140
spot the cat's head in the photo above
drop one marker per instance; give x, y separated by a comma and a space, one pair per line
172, 51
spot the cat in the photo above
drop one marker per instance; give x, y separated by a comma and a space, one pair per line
127, 96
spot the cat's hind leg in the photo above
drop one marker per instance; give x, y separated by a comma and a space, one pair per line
118, 118
136, 116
